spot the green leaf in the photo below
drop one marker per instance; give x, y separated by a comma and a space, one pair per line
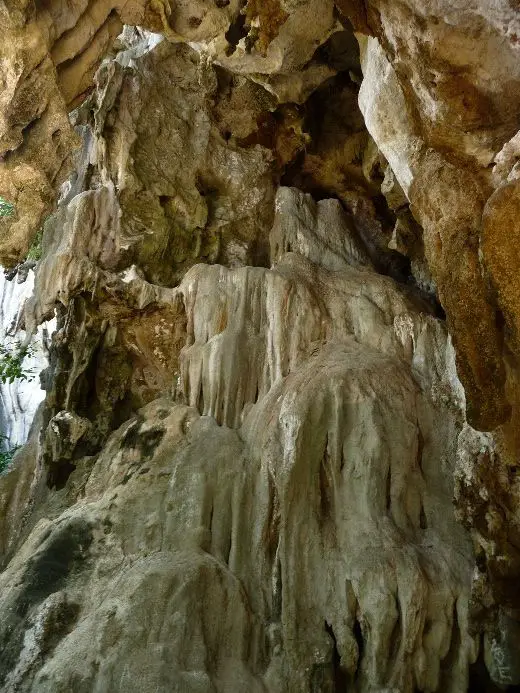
12, 363
6, 208
6, 456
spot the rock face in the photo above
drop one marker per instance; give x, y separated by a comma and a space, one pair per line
256, 467
20, 399
314, 478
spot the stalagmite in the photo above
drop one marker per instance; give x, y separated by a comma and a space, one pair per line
277, 450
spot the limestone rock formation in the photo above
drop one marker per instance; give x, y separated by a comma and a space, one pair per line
278, 445
309, 481
19, 399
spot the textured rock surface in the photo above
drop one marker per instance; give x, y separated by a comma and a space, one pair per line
244, 471
51, 54
317, 481
19, 400
440, 98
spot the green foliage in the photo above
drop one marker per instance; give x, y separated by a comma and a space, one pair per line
35, 251
12, 368
6, 456
6, 208
11, 363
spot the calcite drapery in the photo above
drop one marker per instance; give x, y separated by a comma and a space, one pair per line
325, 492
169, 177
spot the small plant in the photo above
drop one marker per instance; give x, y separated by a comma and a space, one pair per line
11, 363
6, 456
35, 251
6, 208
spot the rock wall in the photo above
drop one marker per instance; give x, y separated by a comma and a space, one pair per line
284, 231
20, 399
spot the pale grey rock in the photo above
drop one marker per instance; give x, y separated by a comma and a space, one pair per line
507, 166
319, 231
386, 113
20, 399
63, 433
292, 526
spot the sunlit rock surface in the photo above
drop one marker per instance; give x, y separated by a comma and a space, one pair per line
20, 398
